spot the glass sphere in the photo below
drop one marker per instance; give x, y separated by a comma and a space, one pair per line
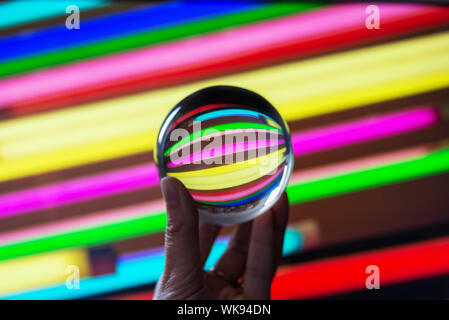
230, 148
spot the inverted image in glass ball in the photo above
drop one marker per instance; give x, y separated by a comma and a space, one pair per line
230, 148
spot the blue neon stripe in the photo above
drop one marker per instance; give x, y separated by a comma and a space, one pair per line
230, 113
23, 11
137, 270
115, 25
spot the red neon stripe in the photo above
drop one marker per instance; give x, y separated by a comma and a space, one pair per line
198, 110
344, 274
292, 50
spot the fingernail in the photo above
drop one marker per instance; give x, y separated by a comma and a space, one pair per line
170, 192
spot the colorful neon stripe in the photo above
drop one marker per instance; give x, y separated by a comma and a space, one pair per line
41, 270
316, 279
223, 151
39, 9
336, 90
209, 134
207, 48
363, 130
162, 34
219, 128
113, 25
393, 57
318, 182
263, 191
124, 180
359, 164
398, 264
231, 175
95, 220
81, 189
138, 269
230, 113
432, 163
394, 69
129, 213
236, 193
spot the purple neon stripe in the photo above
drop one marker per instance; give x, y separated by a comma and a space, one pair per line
79, 190
224, 150
146, 175
363, 130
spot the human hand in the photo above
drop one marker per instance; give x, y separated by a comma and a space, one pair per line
253, 253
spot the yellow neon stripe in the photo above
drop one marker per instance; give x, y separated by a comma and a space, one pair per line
42, 269
231, 175
318, 85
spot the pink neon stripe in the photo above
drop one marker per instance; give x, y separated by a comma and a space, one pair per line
216, 134
358, 164
240, 194
363, 130
82, 223
224, 150
146, 176
78, 190
214, 46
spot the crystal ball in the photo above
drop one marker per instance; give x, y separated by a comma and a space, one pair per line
230, 148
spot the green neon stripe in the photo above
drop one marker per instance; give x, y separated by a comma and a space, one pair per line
431, 164
219, 127
140, 39
87, 237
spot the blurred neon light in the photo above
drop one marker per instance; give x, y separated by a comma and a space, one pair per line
408, 64
388, 57
95, 220
146, 38
41, 270
228, 195
138, 269
197, 135
113, 25
143, 176
39, 9
422, 166
146, 209
80, 189
340, 90
367, 129
302, 27
359, 164
402, 263
316, 279
223, 150
231, 175
428, 164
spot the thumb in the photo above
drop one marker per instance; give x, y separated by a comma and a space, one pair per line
183, 272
